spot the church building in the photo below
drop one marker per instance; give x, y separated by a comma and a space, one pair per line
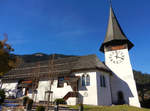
80, 79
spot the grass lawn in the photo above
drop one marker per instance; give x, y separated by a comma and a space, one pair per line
110, 108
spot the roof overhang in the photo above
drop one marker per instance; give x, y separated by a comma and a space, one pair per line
116, 42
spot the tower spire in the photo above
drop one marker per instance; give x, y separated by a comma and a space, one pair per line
114, 34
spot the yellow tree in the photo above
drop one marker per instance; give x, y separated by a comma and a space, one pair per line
7, 61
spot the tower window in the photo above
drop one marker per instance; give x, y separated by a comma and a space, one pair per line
102, 81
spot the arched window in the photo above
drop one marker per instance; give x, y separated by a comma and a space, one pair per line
87, 80
83, 80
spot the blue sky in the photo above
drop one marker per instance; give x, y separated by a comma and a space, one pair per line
74, 27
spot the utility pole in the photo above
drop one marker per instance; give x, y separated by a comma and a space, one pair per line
51, 79
35, 79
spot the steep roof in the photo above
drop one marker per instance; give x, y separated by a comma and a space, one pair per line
114, 34
61, 66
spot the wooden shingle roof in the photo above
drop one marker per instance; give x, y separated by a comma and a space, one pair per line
61, 66
114, 34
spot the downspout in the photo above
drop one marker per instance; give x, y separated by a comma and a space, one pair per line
98, 89
110, 88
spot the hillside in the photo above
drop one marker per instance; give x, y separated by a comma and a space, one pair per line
40, 57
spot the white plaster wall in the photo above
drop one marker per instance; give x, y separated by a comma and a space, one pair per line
60, 92
89, 93
104, 93
42, 87
57, 92
123, 79
11, 87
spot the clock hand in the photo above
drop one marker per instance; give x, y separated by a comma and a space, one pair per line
116, 55
120, 57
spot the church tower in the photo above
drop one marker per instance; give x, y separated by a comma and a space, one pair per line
115, 47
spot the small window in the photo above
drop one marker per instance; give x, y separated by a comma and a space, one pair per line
87, 80
60, 82
83, 80
102, 81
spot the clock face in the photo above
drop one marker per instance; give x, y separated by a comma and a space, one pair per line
116, 57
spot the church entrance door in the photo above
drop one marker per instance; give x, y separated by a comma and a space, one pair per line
120, 98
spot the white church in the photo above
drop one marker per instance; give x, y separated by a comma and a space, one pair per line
81, 79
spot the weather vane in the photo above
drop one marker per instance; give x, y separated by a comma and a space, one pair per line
110, 1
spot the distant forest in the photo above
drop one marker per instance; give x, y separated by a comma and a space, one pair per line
142, 79
143, 87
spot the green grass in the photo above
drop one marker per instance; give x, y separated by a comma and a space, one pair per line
110, 108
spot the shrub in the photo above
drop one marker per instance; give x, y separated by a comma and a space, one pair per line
2, 96
25, 99
81, 108
146, 103
40, 108
29, 104
60, 101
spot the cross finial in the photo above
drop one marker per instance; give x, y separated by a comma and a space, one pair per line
110, 2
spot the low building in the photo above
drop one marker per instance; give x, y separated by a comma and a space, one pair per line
76, 79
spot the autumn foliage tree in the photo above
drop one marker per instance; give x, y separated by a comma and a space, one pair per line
7, 60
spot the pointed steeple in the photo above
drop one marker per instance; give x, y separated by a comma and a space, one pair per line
114, 34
